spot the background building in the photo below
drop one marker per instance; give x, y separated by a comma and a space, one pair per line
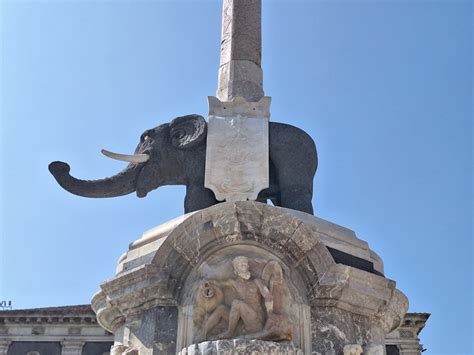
69, 330
73, 330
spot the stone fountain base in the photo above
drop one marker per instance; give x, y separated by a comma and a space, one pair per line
314, 283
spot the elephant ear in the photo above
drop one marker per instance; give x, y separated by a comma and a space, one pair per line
188, 131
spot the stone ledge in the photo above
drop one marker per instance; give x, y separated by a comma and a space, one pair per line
331, 235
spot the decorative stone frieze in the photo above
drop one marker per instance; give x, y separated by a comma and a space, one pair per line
68, 330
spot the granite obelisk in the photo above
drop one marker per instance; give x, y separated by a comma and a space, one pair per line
240, 72
237, 163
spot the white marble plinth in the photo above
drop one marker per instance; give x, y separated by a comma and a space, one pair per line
237, 160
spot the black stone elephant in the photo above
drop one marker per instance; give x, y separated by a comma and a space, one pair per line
174, 154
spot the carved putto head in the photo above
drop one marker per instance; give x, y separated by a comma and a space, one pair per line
241, 267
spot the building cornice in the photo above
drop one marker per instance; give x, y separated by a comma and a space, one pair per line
79, 314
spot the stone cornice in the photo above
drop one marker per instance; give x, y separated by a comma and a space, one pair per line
415, 321
59, 338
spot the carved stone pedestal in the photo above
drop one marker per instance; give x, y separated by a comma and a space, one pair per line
241, 347
249, 271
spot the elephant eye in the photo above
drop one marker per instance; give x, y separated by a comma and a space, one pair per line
148, 134
178, 134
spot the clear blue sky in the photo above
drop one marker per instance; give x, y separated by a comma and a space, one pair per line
383, 87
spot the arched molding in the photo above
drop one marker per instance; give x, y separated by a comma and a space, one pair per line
243, 223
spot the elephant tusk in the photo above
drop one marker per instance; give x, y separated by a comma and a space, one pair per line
135, 158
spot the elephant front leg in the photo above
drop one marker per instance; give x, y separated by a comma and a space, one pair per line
197, 198
297, 198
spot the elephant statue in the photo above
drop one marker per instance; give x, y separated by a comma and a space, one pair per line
175, 153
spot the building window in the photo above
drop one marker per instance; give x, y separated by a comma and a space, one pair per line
392, 350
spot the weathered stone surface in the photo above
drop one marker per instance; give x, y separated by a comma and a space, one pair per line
241, 31
405, 338
240, 78
332, 305
340, 238
78, 323
375, 350
391, 315
261, 301
355, 290
217, 269
237, 155
241, 347
156, 329
240, 73
272, 227
121, 349
352, 349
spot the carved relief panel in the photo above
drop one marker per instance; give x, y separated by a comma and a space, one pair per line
240, 294
258, 302
237, 162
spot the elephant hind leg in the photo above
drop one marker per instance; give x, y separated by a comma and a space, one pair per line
297, 198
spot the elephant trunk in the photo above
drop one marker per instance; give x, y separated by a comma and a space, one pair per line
120, 184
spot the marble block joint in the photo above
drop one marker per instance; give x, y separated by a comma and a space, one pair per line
179, 287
